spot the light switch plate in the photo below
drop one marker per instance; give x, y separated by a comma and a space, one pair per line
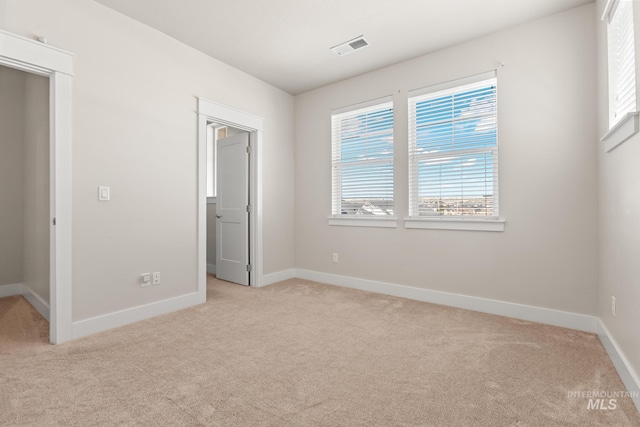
104, 194
145, 279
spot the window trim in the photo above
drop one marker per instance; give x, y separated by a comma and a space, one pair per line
623, 130
450, 223
388, 221
473, 223
362, 221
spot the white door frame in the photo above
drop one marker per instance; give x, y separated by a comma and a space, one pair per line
209, 111
38, 58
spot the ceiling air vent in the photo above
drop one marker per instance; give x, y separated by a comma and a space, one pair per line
350, 46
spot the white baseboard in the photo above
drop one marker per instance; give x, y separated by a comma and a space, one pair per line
211, 268
581, 322
10, 290
105, 322
627, 374
39, 304
36, 301
278, 276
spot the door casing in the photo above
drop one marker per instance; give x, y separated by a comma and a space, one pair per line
209, 111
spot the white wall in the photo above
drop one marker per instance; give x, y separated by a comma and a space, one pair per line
619, 216
11, 178
547, 131
36, 185
135, 130
3, 13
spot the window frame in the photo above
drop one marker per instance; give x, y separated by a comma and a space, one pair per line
467, 222
337, 218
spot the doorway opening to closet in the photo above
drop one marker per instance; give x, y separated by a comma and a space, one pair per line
25, 195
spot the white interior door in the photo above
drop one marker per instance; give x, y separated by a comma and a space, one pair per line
232, 216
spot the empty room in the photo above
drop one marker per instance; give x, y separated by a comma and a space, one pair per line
319, 213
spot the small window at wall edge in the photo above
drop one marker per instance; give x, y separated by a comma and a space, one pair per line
623, 111
362, 164
453, 155
214, 132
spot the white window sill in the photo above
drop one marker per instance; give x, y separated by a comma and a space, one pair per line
472, 224
211, 200
360, 221
623, 130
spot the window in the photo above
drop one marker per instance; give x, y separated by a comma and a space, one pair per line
362, 160
453, 150
214, 133
622, 67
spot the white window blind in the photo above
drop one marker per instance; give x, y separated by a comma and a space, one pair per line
362, 160
622, 63
453, 150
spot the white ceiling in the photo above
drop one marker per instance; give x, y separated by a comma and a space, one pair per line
286, 42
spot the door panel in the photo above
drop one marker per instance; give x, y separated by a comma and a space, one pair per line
231, 235
232, 219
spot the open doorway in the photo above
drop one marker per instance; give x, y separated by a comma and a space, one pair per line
24, 191
238, 137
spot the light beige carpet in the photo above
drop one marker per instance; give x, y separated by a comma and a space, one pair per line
21, 326
304, 354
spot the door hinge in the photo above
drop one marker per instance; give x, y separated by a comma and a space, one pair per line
54, 221
248, 267
249, 208
249, 149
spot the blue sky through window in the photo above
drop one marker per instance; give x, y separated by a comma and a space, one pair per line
455, 142
366, 156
